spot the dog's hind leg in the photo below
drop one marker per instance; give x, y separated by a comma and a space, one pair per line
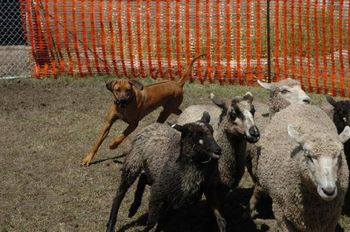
177, 111
138, 195
164, 115
172, 107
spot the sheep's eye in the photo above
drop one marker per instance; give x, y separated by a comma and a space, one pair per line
284, 91
233, 116
252, 111
309, 157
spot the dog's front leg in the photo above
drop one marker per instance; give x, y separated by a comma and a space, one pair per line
122, 136
110, 119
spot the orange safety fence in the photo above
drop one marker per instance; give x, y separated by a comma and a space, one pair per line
310, 40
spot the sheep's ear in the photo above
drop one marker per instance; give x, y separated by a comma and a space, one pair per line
205, 117
249, 97
345, 135
218, 101
236, 100
177, 127
331, 100
110, 84
295, 134
267, 86
138, 85
182, 129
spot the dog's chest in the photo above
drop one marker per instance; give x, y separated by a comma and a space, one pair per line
129, 114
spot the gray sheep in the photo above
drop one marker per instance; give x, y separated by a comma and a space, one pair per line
179, 163
302, 167
234, 127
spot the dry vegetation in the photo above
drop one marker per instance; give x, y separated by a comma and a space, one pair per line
46, 128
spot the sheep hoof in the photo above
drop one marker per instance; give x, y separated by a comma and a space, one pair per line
254, 214
221, 224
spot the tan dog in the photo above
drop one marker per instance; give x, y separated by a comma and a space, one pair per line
133, 102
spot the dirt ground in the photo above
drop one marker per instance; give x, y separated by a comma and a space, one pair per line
47, 126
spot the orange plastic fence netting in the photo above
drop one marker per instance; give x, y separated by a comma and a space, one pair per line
309, 39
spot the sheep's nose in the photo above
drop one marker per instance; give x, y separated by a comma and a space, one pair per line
329, 191
217, 149
307, 100
254, 131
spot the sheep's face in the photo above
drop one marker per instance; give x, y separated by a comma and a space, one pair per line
321, 159
289, 90
241, 117
197, 140
238, 118
341, 116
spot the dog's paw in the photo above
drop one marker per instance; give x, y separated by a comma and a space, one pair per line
86, 161
113, 145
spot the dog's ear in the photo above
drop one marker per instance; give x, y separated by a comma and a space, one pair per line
109, 85
136, 84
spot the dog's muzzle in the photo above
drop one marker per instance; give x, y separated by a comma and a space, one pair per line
122, 102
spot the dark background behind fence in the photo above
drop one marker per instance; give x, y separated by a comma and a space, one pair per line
14, 51
309, 39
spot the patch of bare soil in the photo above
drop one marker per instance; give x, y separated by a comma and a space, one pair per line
46, 127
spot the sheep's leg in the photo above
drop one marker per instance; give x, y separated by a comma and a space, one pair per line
163, 219
155, 208
283, 224
214, 203
128, 178
138, 195
257, 194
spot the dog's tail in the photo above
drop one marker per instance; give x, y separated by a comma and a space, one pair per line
186, 75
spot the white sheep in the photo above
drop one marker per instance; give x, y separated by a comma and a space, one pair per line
302, 167
282, 94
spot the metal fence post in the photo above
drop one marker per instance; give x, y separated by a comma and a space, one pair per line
268, 42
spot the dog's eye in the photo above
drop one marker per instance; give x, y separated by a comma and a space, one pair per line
345, 119
201, 141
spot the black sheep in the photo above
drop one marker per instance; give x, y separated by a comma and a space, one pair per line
341, 119
180, 167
